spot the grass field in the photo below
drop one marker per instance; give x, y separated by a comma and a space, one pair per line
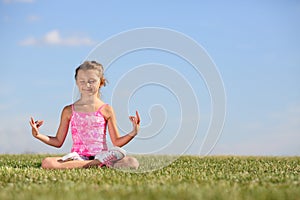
189, 177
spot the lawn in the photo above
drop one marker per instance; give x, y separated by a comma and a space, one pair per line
188, 177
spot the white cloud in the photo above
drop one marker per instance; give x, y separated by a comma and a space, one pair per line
32, 18
17, 1
54, 38
29, 41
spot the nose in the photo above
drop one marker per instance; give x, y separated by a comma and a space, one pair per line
88, 84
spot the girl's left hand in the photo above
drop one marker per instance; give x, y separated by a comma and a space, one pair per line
135, 122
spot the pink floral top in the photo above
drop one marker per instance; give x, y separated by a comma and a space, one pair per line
88, 132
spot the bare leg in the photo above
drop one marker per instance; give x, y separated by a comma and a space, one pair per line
127, 162
57, 163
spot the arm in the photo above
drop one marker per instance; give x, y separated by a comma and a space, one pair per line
62, 131
115, 137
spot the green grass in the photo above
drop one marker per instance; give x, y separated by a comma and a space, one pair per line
189, 177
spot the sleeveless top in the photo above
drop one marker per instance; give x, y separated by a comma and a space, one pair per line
88, 132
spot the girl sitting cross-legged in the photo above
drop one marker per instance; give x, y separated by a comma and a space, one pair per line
88, 118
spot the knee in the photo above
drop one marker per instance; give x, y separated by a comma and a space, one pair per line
47, 163
133, 163
127, 162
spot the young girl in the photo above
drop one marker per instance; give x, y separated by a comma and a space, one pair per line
88, 118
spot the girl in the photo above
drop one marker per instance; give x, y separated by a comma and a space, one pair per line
88, 118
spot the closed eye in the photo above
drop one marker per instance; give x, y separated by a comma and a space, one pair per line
91, 81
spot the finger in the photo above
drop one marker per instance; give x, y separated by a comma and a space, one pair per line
31, 121
138, 117
39, 123
131, 118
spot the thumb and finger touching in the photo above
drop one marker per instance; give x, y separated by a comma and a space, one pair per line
136, 119
36, 124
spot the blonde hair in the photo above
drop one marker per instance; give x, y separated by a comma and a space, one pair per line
86, 65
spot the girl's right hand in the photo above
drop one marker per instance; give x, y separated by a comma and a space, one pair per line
35, 125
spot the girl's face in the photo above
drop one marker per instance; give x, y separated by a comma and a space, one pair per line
88, 82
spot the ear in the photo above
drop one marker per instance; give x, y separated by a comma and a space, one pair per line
102, 82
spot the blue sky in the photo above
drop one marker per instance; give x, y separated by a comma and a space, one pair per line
254, 44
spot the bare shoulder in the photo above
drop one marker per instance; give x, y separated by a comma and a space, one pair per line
67, 112
107, 111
